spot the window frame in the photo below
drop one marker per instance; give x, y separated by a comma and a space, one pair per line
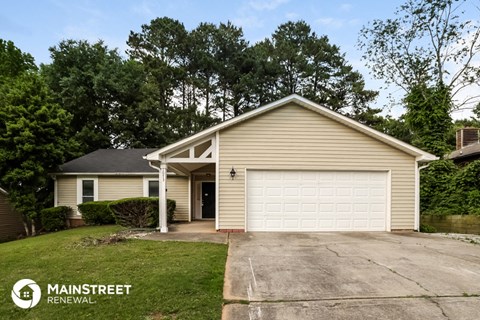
80, 195
146, 185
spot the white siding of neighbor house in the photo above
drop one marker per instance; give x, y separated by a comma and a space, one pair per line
295, 138
118, 187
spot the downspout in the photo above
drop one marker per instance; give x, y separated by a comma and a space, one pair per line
55, 190
417, 194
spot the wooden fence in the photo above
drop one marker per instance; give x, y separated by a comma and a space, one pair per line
469, 224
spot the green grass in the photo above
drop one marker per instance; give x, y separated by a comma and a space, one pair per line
170, 280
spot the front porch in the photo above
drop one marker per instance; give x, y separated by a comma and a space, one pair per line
198, 226
198, 163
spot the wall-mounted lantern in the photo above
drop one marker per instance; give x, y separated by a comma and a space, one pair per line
233, 173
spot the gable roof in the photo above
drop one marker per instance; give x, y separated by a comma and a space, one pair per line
3, 191
420, 155
109, 161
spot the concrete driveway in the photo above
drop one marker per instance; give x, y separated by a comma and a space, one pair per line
351, 276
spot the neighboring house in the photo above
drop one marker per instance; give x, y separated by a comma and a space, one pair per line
467, 146
111, 174
293, 165
11, 225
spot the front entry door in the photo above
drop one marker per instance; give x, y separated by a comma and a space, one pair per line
208, 200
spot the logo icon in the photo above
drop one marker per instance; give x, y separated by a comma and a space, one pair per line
26, 293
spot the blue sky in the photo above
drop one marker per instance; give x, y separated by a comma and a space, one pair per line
36, 25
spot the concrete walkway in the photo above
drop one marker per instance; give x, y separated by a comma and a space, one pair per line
195, 231
351, 276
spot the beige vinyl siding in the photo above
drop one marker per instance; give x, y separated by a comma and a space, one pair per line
177, 189
114, 188
11, 225
296, 138
67, 192
119, 187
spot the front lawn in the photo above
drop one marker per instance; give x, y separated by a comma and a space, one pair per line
170, 280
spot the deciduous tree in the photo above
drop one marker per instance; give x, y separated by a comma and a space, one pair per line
34, 139
427, 44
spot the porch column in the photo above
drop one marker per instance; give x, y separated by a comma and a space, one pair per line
162, 195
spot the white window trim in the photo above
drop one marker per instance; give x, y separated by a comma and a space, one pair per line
146, 181
79, 189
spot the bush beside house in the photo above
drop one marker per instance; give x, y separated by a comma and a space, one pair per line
140, 212
54, 219
96, 212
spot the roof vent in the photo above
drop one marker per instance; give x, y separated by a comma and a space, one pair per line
467, 136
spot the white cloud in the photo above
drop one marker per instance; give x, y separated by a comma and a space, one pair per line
336, 23
248, 22
330, 22
345, 7
266, 5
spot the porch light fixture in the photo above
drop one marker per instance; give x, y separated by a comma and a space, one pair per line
233, 173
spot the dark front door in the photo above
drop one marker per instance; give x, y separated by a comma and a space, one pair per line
208, 200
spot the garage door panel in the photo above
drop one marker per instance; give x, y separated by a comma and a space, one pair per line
316, 201
273, 209
273, 224
308, 191
361, 192
309, 209
343, 224
291, 224
325, 225
273, 191
272, 175
292, 208
256, 191
327, 208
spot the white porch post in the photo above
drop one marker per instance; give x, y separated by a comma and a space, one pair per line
162, 195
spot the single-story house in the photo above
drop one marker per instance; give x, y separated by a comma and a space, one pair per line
291, 165
112, 174
467, 146
11, 225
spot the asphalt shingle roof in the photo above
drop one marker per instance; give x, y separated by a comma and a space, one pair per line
110, 161
466, 151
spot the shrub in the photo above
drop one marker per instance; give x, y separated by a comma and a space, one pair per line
435, 183
135, 212
427, 228
140, 212
96, 212
447, 189
171, 206
473, 202
54, 219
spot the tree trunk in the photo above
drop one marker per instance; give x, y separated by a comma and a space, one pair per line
27, 229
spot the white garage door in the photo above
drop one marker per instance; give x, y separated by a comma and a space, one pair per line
316, 201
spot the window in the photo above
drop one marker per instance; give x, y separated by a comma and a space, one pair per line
153, 188
88, 193
87, 189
